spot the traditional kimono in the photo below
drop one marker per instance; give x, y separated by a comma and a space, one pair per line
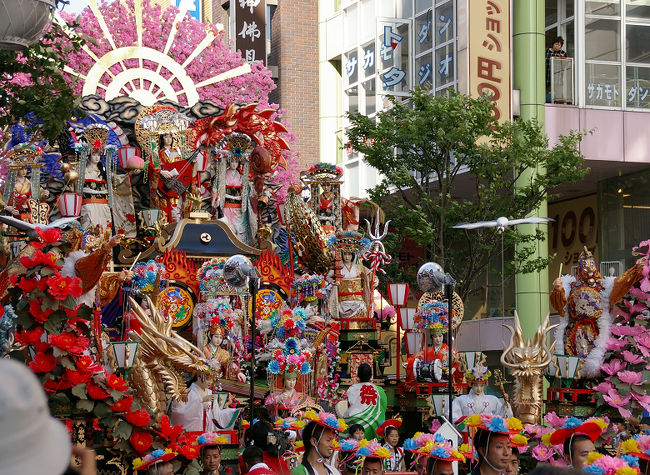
367, 406
394, 463
171, 206
284, 400
193, 414
326, 212
349, 299
468, 404
94, 206
18, 198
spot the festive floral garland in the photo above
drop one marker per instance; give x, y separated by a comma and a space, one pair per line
432, 315
290, 359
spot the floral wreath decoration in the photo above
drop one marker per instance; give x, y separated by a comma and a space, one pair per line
495, 424
218, 312
325, 419
433, 445
396, 423
478, 374
289, 423
432, 315
591, 428
210, 438
599, 464
349, 445
289, 323
145, 275
290, 359
152, 458
638, 446
373, 449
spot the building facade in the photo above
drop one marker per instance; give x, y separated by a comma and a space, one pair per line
603, 86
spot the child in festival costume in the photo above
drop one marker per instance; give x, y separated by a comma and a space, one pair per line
440, 453
371, 455
492, 441
578, 437
319, 439
389, 430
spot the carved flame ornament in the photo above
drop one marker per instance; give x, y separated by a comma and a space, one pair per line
528, 361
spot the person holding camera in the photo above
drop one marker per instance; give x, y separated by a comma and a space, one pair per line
261, 435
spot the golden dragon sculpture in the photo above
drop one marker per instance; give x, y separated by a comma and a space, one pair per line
163, 355
528, 361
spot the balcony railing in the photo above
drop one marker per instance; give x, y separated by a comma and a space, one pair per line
562, 80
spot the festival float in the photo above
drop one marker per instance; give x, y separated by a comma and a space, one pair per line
166, 248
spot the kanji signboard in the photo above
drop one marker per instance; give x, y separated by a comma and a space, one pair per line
489, 53
250, 29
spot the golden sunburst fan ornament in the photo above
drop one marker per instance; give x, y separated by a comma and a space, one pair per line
147, 85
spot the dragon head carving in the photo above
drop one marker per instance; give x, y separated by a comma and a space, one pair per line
163, 355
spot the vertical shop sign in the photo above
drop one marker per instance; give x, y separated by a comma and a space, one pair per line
394, 56
489, 53
250, 29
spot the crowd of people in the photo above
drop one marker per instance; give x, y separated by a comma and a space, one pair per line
314, 443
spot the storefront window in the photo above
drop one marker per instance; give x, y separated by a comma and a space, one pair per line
444, 65
624, 216
602, 85
602, 39
638, 43
638, 87
637, 9
423, 27
370, 98
425, 71
606, 7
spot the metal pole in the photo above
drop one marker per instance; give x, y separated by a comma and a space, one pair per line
252, 287
449, 290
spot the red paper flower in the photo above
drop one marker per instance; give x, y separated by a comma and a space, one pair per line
27, 285
70, 342
97, 143
115, 382
123, 405
60, 287
39, 259
169, 432
95, 392
289, 324
43, 362
86, 363
55, 386
141, 440
139, 418
37, 312
76, 377
49, 236
29, 337
190, 452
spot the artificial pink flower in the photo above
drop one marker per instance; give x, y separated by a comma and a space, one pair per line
616, 344
614, 399
642, 399
631, 357
542, 453
613, 366
627, 330
554, 420
631, 377
603, 387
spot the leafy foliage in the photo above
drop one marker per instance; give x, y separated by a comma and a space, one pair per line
33, 82
445, 160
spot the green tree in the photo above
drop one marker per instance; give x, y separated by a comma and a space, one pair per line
32, 82
445, 160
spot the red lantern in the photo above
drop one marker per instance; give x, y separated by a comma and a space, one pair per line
127, 152
69, 204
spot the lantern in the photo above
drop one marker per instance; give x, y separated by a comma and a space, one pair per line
69, 204
22, 22
150, 216
398, 294
406, 317
414, 342
125, 352
125, 153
